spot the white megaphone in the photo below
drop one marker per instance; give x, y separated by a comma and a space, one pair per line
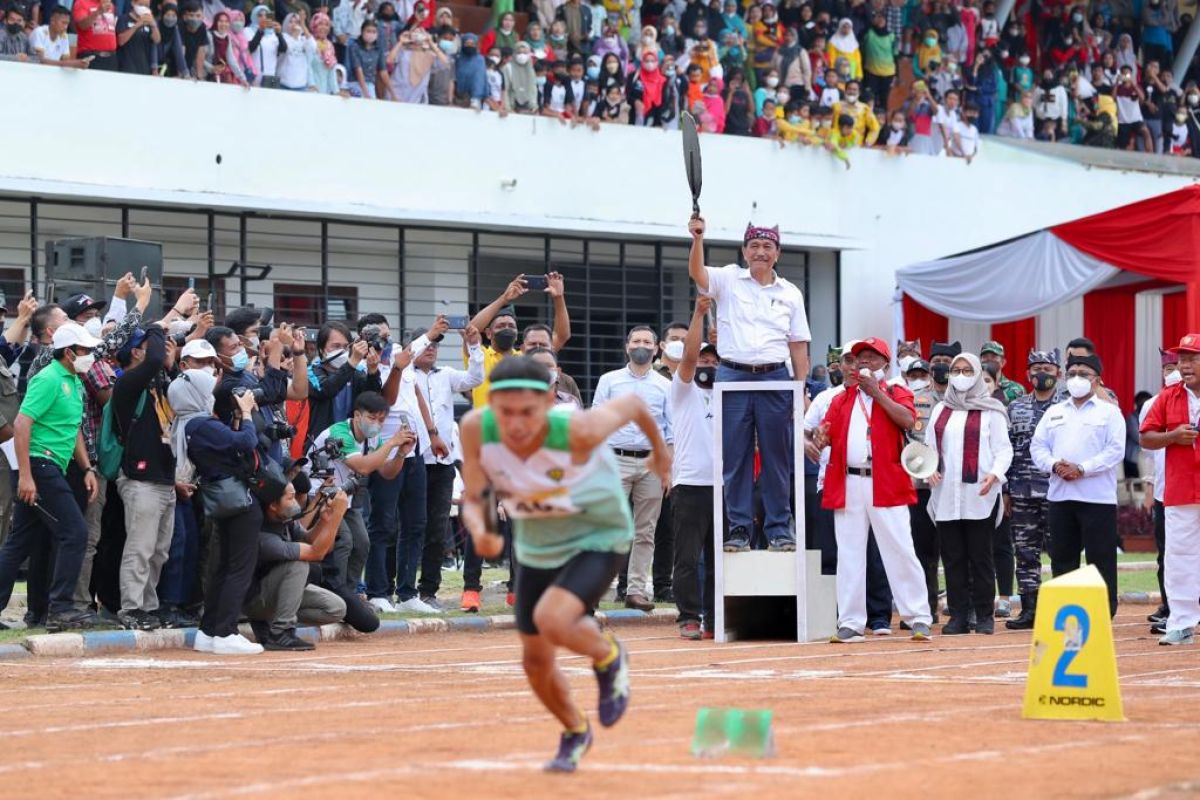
919, 460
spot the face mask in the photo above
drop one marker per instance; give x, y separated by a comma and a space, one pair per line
1044, 382
772, 83
140, 10
254, 342
495, 62
705, 377
930, 41
918, 384
238, 27
835, 377
962, 382
553, 376
193, 24
541, 82
878, 374
1077, 17
674, 351
240, 360
852, 98
593, 72
370, 428
897, 126
701, 34
650, 66
210, 370
521, 58
669, 31
940, 373
1067, 41
1079, 387
1181, 117
1024, 61
337, 358
641, 355
782, 97
794, 119
1193, 99
1174, 378
468, 50
84, 363
905, 363
169, 21
504, 339
94, 326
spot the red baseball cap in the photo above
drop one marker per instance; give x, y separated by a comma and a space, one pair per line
880, 346
1188, 344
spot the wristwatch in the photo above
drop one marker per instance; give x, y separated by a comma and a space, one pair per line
432, 431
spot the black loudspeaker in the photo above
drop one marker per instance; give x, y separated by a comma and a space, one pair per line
94, 265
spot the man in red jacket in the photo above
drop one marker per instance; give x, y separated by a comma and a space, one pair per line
1172, 423
867, 489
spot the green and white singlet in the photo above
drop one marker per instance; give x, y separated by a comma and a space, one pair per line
558, 509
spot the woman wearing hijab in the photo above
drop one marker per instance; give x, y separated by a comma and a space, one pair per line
502, 36
844, 44
295, 47
221, 61
928, 50
413, 58
264, 42
323, 58
1126, 56
732, 20
170, 45
241, 45
739, 105
208, 451
649, 43
520, 82
968, 430
714, 105
795, 67
612, 44
649, 91
768, 38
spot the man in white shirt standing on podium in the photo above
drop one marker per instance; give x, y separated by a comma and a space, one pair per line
761, 327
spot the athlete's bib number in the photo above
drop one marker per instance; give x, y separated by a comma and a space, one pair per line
540, 505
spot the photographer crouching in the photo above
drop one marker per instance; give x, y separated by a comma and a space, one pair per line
284, 592
342, 456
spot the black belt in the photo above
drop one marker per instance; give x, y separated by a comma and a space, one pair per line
862, 472
754, 369
632, 453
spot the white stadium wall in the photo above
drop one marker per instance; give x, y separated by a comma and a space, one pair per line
128, 138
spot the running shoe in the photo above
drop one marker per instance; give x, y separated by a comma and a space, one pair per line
846, 636
571, 748
613, 681
690, 630
1177, 637
1160, 615
920, 632
1003, 608
510, 599
471, 602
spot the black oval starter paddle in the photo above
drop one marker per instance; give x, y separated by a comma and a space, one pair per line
691, 158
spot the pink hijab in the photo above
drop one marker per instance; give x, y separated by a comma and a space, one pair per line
241, 47
716, 106
324, 45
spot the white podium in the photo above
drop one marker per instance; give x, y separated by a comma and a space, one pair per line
761, 594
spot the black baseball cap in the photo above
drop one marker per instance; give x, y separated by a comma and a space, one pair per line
76, 304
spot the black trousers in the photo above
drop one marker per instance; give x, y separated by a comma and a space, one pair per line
1160, 541
664, 551
692, 520
825, 538
1077, 527
1003, 557
966, 546
925, 543
238, 554
439, 493
812, 511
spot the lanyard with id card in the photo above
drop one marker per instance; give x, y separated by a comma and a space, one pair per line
866, 418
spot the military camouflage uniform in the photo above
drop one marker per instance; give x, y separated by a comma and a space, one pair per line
1027, 487
1011, 389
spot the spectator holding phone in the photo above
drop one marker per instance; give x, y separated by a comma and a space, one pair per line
138, 37
96, 33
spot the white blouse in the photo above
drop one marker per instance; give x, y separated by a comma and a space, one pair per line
952, 499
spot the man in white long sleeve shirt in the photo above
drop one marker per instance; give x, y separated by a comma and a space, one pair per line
439, 385
633, 450
1081, 441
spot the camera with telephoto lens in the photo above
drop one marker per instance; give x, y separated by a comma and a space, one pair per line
351, 485
259, 395
321, 459
373, 336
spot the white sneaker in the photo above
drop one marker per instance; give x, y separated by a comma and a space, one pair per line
382, 605
235, 645
415, 605
203, 643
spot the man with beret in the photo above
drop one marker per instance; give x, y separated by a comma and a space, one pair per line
1172, 423
1025, 491
1081, 441
763, 328
941, 354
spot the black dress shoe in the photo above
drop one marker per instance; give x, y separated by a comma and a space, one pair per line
956, 627
288, 640
986, 626
1159, 628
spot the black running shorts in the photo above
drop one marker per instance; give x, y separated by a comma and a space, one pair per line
587, 575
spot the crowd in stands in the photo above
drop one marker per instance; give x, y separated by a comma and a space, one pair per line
816, 74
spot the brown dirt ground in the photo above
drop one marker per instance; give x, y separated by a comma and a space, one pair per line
446, 716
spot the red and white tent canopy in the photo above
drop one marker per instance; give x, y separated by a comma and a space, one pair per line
1157, 239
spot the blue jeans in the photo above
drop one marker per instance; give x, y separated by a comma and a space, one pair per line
396, 504
31, 525
176, 584
767, 415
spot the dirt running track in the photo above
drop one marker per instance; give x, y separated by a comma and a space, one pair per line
448, 716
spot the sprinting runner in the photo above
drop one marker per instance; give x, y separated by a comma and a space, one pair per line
558, 482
